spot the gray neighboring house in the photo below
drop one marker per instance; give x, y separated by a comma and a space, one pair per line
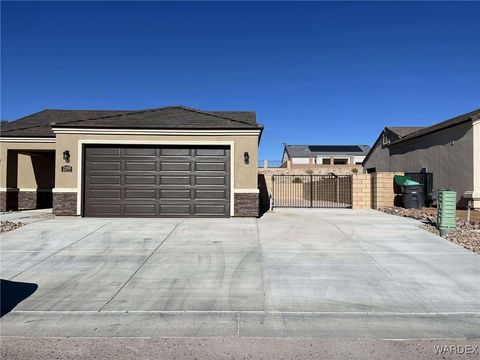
311, 155
450, 150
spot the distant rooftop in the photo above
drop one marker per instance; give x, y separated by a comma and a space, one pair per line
318, 150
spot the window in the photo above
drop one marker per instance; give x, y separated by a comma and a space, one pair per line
340, 161
326, 161
358, 163
385, 140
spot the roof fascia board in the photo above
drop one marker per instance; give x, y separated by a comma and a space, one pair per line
27, 140
103, 131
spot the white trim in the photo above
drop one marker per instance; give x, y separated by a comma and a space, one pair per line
82, 142
64, 190
153, 131
27, 140
246, 191
4, 189
28, 189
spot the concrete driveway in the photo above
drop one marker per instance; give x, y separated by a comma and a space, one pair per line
292, 273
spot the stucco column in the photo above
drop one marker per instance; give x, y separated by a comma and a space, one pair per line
27, 184
8, 179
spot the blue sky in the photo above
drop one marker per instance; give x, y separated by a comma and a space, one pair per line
316, 72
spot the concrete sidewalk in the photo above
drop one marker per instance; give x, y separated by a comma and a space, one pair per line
292, 273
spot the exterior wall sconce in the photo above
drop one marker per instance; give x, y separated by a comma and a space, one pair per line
246, 158
66, 156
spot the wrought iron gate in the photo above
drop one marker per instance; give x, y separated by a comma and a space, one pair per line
312, 191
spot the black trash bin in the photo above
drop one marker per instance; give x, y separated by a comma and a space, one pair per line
413, 196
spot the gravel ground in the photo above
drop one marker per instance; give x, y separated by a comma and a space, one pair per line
467, 234
6, 225
235, 348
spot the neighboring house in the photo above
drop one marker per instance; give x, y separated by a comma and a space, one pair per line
450, 150
312, 155
172, 161
378, 158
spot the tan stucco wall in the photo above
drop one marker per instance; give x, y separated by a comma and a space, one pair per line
23, 165
245, 176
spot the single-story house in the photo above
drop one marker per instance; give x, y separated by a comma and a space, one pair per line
170, 161
450, 150
301, 155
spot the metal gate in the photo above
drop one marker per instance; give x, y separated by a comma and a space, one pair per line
312, 191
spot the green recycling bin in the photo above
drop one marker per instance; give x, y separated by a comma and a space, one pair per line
446, 211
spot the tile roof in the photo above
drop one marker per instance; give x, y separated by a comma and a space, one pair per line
172, 117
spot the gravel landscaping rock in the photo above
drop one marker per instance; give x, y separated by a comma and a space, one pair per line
9, 226
467, 233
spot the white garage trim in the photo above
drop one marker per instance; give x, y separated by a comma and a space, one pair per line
83, 142
247, 191
64, 190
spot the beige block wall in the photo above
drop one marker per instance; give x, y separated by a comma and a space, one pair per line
361, 191
245, 176
383, 189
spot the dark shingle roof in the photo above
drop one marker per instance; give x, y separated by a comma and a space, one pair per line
173, 117
402, 131
314, 150
473, 115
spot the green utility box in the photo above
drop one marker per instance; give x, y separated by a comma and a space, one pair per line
446, 209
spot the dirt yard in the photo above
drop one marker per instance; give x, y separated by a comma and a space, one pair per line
474, 215
467, 234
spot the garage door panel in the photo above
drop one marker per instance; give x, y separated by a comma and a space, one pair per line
140, 166
105, 166
139, 194
210, 180
175, 152
175, 180
105, 151
140, 180
210, 152
210, 194
105, 209
105, 194
175, 166
139, 209
156, 181
141, 151
211, 166
175, 209
175, 194
209, 209
105, 179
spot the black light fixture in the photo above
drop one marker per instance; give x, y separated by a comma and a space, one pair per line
246, 158
66, 156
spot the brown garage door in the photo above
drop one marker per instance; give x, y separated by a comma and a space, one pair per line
126, 181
